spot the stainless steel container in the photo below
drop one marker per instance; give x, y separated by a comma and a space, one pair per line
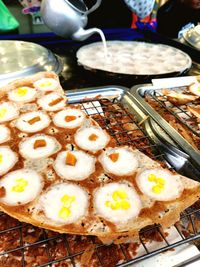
165, 133
192, 37
19, 59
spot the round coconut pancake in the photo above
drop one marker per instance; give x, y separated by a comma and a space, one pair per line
46, 84
119, 161
4, 134
158, 184
52, 102
8, 158
38, 146
69, 118
117, 202
61, 171
22, 94
91, 138
21, 187
32, 122
70, 202
74, 165
195, 89
8, 111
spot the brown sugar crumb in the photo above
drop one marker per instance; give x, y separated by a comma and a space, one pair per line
93, 137
114, 156
34, 120
70, 118
2, 191
70, 159
39, 143
56, 101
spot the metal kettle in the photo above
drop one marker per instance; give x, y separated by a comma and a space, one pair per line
67, 18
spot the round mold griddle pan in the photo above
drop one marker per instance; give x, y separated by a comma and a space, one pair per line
130, 79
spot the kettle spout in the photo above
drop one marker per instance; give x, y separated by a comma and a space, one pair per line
82, 34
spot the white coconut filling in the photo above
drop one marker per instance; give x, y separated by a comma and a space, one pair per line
38, 146
32, 122
8, 158
4, 134
84, 165
119, 161
46, 84
21, 187
69, 118
117, 202
159, 184
8, 111
195, 89
91, 138
64, 203
52, 102
22, 94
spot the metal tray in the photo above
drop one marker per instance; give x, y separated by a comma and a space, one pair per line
192, 36
19, 59
173, 138
25, 241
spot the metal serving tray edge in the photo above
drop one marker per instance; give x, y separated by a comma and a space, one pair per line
177, 159
193, 155
120, 93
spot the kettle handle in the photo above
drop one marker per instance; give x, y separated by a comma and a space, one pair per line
95, 6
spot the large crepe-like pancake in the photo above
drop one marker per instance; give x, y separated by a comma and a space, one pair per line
61, 171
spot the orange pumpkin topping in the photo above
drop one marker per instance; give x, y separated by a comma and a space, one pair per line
70, 159
114, 156
70, 118
34, 120
93, 137
39, 143
56, 101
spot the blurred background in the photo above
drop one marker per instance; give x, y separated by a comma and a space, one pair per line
27, 14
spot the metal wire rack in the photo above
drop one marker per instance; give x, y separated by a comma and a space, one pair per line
180, 112
28, 246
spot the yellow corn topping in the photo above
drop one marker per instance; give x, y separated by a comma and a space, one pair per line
152, 177
3, 112
22, 91
20, 185
120, 201
65, 211
45, 84
125, 205
120, 194
1, 158
159, 183
156, 189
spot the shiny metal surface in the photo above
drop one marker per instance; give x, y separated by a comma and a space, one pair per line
19, 59
192, 36
192, 155
67, 18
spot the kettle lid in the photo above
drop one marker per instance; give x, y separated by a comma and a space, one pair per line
77, 4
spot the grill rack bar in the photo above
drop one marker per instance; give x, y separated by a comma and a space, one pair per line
182, 109
70, 256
